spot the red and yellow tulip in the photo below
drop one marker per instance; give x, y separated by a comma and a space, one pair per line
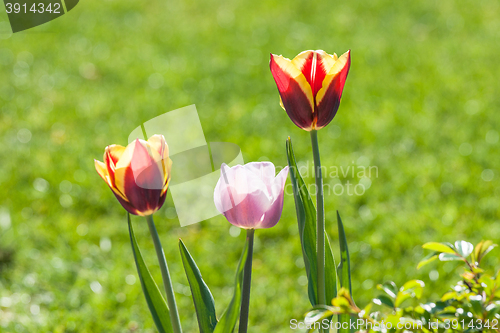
138, 174
311, 86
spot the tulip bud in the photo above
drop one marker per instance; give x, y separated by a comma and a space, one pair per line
311, 86
250, 196
138, 174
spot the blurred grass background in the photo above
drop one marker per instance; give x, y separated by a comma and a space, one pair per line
420, 103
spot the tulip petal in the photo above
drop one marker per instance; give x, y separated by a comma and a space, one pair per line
158, 144
114, 152
139, 177
314, 65
146, 166
243, 181
241, 196
278, 183
265, 171
328, 97
295, 91
125, 204
144, 200
273, 214
102, 171
249, 211
167, 166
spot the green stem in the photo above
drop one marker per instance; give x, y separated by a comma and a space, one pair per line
247, 281
167, 283
320, 223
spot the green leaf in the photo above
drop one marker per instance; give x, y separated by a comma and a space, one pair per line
306, 218
389, 288
478, 249
383, 299
228, 320
464, 248
482, 249
430, 258
450, 257
439, 247
202, 297
345, 264
344, 271
154, 299
330, 271
417, 286
411, 289
488, 249
317, 315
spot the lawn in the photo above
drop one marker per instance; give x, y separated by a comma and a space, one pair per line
420, 107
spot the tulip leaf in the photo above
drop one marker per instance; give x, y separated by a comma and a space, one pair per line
202, 297
344, 272
306, 218
154, 299
345, 264
228, 320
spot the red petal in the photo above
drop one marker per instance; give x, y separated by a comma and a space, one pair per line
310, 63
329, 97
147, 170
114, 152
295, 93
142, 200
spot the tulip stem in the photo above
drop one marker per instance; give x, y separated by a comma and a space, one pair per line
320, 222
167, 283
247, 281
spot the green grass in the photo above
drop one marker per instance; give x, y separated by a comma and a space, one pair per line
420, 103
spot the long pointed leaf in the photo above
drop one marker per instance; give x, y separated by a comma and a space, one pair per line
344, 271
202, 297
228, 320
154, 299
306, 218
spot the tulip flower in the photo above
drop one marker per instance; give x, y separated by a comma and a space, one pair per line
138, 174
250, 196
310, 86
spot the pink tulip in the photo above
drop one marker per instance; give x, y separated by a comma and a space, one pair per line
250, 196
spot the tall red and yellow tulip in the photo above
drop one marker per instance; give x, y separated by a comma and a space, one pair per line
310, 87
139, 175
